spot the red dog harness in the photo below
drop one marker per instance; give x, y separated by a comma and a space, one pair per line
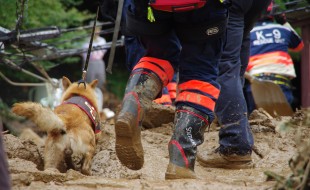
85, 105
176, 6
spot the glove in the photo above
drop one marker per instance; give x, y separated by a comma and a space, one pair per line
281, 18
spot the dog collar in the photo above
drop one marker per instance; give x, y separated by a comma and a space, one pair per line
88, 108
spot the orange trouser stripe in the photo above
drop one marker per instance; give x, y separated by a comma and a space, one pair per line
172, 89
204, 87
160, 67
196, 99
172, 86
172, 95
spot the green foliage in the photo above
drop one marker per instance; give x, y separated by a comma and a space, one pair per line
71, 3
39, 14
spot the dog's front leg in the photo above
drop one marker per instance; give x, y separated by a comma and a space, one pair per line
86, 167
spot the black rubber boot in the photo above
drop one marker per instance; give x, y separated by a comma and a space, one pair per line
190, 125
142, 88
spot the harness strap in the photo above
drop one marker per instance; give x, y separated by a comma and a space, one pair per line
88, 108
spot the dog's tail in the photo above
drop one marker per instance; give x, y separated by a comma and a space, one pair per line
43, 117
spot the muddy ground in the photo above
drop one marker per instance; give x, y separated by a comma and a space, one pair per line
274, 146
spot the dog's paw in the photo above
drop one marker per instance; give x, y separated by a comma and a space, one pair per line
86, 171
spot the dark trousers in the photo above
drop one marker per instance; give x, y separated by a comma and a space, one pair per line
194, 60
235, 135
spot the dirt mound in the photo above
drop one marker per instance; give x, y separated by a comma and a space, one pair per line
274, 146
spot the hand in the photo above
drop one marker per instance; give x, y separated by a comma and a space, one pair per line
281, 18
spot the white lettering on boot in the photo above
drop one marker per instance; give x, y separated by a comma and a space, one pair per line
189, 135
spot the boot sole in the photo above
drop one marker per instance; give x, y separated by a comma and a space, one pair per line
176, 172
128, 145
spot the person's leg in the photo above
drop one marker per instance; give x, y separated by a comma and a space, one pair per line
249, 97
99, 73
288, 93
95, 71
134, 51
235, 136
198, 91
244, 58
146, 81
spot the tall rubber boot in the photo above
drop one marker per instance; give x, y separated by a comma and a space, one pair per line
142, 88
190, 125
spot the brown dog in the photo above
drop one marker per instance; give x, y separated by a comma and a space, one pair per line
70, 127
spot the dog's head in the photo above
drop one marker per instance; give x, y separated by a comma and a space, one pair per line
73, 89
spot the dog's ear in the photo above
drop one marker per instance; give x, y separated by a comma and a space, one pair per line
94, 83
65, 82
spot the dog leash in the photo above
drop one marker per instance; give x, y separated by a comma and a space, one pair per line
88, 52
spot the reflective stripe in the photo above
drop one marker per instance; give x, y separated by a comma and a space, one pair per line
172, 86
196, 99
172, 95
164, 99
172, 89
204, 87
160, 67
278, 57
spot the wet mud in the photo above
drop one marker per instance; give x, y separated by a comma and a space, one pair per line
275, 145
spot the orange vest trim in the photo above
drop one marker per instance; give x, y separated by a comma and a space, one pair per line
278, 57
196, 99
299, 47
204, 87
